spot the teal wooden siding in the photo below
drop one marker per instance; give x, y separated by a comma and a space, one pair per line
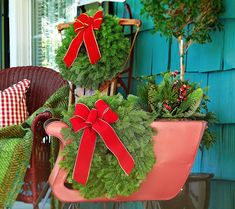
143, 51
229, 44
206, 57
222, 95
224, 196
212, 64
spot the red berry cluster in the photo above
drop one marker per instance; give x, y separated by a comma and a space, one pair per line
182, 90
175, 73
176, 81
166, 105
183, 93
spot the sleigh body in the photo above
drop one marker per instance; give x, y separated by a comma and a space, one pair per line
175, 146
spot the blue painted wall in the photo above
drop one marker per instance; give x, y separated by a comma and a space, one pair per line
211, 64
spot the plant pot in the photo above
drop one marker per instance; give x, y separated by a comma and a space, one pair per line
175, 145
195, 194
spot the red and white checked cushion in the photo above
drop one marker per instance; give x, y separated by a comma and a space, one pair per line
13, 109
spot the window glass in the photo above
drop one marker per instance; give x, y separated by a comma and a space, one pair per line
46, 39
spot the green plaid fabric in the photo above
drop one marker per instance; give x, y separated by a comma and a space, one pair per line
15, 149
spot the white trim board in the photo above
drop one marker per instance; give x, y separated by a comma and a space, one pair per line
85, 2
20, 32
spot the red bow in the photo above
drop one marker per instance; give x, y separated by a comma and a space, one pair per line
97, 121
84, 26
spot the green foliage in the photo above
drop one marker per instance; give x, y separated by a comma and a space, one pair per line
191, 105
114, 48
106, 178
174, 99
191, 19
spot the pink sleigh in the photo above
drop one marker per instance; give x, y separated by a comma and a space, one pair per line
175, 145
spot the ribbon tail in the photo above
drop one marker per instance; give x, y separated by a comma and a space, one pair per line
73, 50
91, 45
115, 145
84, 157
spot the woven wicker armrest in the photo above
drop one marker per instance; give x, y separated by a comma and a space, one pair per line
37, 129
39, 162
41, 117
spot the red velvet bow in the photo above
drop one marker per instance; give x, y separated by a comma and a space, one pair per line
84, 26
97, 121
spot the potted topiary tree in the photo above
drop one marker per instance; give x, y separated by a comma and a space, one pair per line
188, 21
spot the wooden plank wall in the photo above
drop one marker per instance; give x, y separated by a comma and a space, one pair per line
211, 64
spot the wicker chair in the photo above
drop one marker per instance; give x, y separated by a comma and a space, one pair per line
44, 82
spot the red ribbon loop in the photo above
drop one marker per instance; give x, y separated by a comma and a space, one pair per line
97, 121
84, 26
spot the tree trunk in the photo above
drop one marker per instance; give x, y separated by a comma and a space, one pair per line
181, 50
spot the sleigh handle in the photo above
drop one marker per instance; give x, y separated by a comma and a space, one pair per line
123, 22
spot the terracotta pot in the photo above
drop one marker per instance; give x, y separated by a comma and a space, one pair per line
175, 145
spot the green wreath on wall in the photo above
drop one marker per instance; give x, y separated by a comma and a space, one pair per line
114, 48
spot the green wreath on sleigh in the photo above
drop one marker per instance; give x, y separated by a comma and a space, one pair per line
106, 178
114, 49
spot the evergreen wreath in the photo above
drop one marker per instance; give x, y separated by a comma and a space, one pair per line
107, 178
114, 48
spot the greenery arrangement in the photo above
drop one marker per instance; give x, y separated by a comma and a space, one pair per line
106, 178
176, 99
114, 48
187, 20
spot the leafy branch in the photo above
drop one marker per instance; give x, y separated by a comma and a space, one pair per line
188, 21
